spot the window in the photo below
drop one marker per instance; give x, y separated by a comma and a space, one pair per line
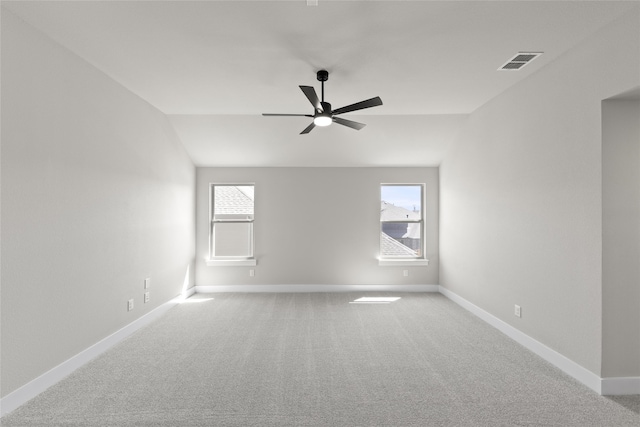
402, 223
231, 226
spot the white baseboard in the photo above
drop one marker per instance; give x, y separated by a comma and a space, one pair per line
602, 386
620, 386
30, 390
316, 288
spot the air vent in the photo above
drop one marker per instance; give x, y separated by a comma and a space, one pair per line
513, 65
519, 60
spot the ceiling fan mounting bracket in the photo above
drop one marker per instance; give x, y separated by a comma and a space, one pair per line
322, 75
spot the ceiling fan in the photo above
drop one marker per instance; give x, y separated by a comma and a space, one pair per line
323, 115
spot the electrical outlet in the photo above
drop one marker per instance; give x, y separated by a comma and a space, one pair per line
147, 283
405, 273
518, 311
252, 272
146, 297
130, 305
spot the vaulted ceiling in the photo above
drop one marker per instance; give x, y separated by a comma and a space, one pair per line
214, 66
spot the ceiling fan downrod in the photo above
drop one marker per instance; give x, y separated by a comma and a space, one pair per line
322, 76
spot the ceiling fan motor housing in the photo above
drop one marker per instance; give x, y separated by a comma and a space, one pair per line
326, 107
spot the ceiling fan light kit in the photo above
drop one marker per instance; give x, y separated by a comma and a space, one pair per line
322, 120
322, 114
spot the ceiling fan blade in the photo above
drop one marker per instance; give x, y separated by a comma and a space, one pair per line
373, 102
311, 94
349, 123
308, 128
287, 115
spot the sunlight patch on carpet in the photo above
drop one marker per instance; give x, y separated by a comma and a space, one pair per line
374, 300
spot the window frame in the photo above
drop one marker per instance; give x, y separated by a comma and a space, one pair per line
226, 260
399, 260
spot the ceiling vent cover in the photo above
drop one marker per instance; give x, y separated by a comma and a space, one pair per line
519, 60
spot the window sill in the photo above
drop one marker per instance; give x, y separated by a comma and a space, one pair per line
231, 262
403, 262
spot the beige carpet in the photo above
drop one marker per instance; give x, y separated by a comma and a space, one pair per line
317, 360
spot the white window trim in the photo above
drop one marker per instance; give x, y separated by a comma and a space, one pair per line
219, 262
227, 261
390, 262
408, 262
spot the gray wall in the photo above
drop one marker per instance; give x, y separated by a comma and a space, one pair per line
621, 238
317, 226
521, 196
97, 194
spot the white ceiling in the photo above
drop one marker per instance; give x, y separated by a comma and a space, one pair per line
214, 66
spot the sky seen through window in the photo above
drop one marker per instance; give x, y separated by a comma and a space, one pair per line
405, 196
